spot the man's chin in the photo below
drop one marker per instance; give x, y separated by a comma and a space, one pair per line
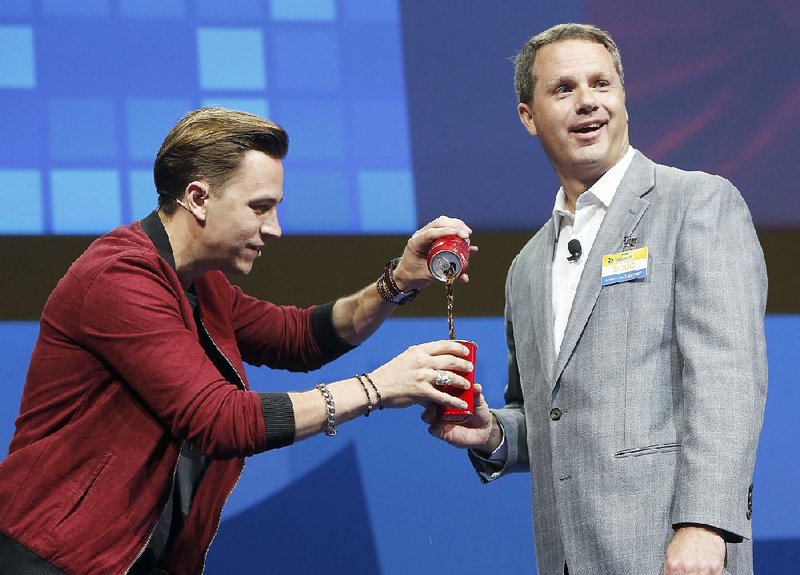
241, 268
594, 160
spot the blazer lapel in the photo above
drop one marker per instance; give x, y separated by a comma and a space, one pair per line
541, 274
621, 219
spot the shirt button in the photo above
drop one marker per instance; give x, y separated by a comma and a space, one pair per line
555, 414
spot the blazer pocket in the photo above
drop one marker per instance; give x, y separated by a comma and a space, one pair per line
648, 450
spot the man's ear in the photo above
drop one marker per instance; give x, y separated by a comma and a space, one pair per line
197, 199
526, 117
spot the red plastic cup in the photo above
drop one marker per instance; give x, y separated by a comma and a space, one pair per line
453, 414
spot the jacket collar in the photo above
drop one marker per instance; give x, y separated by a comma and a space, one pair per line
152, 226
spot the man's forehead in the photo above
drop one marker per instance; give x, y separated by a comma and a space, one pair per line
566, 57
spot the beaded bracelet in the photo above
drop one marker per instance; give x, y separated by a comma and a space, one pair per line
330, 406
378, 393
366, 391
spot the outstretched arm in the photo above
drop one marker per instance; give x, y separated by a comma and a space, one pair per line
357, 316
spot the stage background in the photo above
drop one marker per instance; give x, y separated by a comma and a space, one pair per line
397, 112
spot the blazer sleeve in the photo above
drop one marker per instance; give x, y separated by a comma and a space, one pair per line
512, 416
720, 300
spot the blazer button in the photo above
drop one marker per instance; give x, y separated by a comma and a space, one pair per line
555, 414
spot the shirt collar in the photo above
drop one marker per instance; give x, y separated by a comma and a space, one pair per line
602, 191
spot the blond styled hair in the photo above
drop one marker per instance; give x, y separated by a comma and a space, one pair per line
209, 144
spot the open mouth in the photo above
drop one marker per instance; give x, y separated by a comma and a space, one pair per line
588, 128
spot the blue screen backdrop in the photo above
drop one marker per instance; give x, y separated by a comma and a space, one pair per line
89, 89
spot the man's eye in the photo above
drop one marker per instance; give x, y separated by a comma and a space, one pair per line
261, 209
563, 89
602, 84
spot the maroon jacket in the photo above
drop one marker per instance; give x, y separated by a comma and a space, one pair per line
117, 381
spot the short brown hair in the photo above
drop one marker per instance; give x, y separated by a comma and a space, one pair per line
209, 144
524, 81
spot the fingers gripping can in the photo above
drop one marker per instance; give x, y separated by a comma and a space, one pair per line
448, 257
453, 414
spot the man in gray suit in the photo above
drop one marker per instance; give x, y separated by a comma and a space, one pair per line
637, 363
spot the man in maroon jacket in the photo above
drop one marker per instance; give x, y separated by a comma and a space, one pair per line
136, 415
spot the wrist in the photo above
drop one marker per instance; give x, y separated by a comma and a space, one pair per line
401, 279
495, 435
389, 289
698, 528
493, 441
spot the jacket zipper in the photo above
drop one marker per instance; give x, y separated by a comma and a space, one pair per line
211, 339
175, 470
153, 529
241, 472
219, 521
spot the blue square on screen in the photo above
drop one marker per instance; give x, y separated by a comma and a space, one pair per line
85, 201
16, 8
379, 133
315, 127
231, 59
316, 202
305, 10
257, 106
372, 59
82, 129
152, 8
22, 133
144, 198
21, 198
306, 60
83, 8
161, 62
387, 201
148, 121
239, 11
17, 60
371, 10
81, 57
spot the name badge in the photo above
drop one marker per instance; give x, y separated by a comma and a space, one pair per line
624, 266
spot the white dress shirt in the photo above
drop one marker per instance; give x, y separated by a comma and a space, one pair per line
583, 225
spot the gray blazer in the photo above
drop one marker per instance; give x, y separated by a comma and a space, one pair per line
649, 415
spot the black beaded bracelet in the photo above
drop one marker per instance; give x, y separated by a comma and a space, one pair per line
378, 393
330, 407
366, 391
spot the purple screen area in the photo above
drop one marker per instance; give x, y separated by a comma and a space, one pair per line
715, 86
712, 86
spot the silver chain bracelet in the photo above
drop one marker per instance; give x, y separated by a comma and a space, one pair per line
330, 406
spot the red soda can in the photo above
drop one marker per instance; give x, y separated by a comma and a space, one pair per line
448, 256
452, 414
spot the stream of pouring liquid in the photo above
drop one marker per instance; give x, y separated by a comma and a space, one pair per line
448, 289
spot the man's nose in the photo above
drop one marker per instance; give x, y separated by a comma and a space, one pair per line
271, 226
586, 100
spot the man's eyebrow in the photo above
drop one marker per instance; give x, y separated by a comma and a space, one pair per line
270, 201
559, 80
